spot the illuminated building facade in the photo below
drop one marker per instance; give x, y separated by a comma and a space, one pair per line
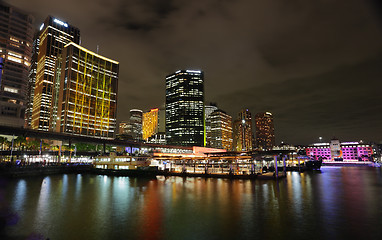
337, 151
32, 81
54, 35
150, 123
87, 102
123, 127
265, 132
124, 131
136, 124
185, 108
158, 138
242, 132
208, 109
221, 130
16, 41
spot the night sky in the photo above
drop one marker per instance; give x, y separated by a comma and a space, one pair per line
316, 65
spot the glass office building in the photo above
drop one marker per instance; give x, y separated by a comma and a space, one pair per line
185, 123
150, 123
221, 130
32, 81
87, 102
242, 132
265, 132
54, 35
16, 41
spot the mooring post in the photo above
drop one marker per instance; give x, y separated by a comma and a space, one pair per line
70, 150
276, 170
284, 165
299, 167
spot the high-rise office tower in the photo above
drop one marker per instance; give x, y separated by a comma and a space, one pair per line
242, 132
136, 124
208, 109
265, 133
150, 123
124, 131
54, 35
16, 40
185, 108
123, 128
32, 81
87, 100
221, 130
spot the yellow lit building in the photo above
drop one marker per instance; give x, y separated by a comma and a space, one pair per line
150, 123
87, 103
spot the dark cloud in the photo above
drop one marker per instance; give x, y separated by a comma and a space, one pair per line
290, 57
343, 103
141, 15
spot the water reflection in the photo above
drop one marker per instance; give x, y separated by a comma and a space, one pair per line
20, 195
336, 203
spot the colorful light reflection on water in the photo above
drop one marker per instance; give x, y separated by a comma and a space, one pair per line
336, 203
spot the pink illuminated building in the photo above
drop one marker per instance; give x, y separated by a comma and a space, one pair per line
336, 151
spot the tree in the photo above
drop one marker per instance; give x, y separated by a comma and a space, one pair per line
33, 145
3, 142
20, 142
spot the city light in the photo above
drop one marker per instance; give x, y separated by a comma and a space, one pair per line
60, 22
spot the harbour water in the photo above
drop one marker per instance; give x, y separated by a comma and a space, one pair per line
334, 203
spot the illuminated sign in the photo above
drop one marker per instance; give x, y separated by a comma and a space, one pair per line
349, 143
60, 22
321, 144
193, 71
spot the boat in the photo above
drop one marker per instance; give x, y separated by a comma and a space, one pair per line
313, 164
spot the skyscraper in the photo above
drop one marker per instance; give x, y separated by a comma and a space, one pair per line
208, 109
242, 132
87, 99
123, 126
265, 136
32, 81
54, 35
221, 130
136, 124
150, 123
16, 38
185, 108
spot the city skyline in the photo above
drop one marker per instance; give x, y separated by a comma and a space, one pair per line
315, 66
